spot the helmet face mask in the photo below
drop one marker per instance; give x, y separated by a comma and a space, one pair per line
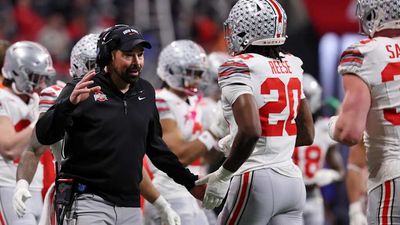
37, 81
255, 22
29, 66
377, 15
83, 55
183, 65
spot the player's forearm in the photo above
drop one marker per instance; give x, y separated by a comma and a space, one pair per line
191, 151
147, 189
242, 147
12, 146
335, 160
354, 186
305, 125
305, 136
27, 166
350, 124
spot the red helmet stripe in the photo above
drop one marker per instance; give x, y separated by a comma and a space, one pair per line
277, 10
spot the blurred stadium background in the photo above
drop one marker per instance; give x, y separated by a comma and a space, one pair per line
318, 31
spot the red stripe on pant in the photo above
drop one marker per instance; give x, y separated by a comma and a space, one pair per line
386, 204
1, 219
241, 199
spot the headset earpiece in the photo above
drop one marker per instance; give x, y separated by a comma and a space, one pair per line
106, 44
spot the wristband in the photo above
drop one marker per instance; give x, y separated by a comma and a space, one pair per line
354, 167
160, 203
355, 208
207, 139
224, 174
22, 183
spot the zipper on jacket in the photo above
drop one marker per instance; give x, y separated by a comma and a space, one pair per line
125, 107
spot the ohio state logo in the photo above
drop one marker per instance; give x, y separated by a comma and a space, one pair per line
100, 96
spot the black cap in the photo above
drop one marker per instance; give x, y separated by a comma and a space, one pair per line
129, 38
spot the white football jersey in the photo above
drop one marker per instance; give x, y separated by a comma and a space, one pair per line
311, 158
209, 108
377, 62
17, 111
188, 117
277, 88
48, 97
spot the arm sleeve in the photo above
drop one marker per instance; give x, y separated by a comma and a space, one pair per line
163, 109
232, 92
51, 126
48, 97
163, 158
351, 60
234, 71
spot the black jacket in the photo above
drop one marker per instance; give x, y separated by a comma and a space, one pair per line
106, 137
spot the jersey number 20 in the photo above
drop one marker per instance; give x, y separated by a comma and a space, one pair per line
285, 98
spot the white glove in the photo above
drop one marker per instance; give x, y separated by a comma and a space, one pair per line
168, 215
356, 215
33, 109
21, 194
217, 187
326, 176
225, 144
219, 127
332, 126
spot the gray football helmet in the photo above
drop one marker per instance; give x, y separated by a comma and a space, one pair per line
376, 15
28, 64
83, 55
181, 63
255, 22
312, 91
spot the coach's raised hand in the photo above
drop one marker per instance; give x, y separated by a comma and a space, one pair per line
82, 90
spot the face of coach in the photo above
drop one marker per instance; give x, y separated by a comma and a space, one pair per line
128, 57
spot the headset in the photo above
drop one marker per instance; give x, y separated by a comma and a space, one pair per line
108, 41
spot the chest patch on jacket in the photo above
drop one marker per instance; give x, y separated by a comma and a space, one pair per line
100, 96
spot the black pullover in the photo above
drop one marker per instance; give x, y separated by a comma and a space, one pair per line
106, 137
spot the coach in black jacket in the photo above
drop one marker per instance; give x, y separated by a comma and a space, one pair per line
110, 121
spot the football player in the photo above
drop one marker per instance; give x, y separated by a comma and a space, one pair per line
26, 70
356, 184
370, 70
264, 104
